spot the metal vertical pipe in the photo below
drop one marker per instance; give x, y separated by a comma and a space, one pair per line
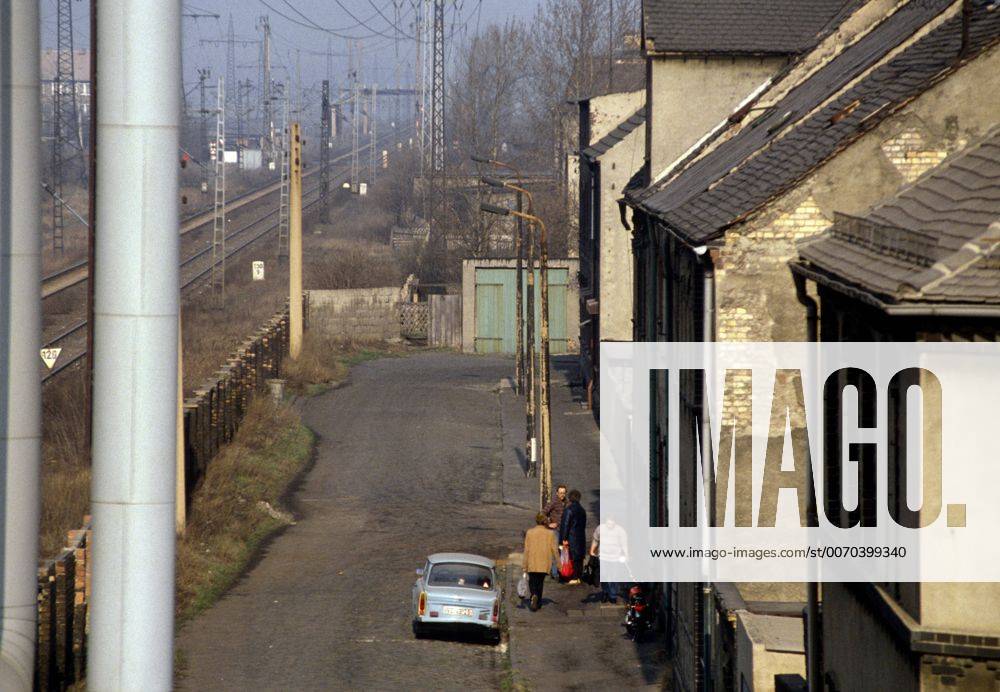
519, 301
20, 338
91, 223
545, 477
135, 346
530, 446
295, 246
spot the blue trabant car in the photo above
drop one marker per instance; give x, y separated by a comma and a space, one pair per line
457, 591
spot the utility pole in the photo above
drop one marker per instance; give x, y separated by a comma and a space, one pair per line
419, 80
267, 119
324, 153
355, 138
531, 404
395, 49
545, 477
519, 299
284, 197
437, 126
233, 97
203, 145
372, 127
437, 91
66, 130
219, 219
295, 249
135, 348
20, 334
242, 102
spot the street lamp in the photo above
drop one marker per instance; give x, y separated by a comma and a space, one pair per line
525, 353
524, 367
545, 477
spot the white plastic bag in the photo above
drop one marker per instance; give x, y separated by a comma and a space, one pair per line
522, 585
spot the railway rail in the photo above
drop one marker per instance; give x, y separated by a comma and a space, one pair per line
61, 280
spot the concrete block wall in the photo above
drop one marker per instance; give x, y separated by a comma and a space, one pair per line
358, 314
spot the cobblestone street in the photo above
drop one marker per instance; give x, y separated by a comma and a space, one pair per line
416, 455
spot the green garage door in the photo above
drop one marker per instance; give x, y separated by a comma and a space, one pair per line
496, 306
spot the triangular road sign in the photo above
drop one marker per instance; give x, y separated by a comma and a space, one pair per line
49, 355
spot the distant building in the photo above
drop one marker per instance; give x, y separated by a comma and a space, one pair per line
612, 150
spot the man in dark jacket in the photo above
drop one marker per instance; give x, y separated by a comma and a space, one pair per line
573, 532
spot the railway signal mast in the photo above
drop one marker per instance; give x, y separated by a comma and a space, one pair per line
219, 219
324, 152
284, 195
66, 131
437, 122
267, 119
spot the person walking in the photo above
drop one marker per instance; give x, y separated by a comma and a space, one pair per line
556, 506
573, 533
539, 552
553, 511
610, 544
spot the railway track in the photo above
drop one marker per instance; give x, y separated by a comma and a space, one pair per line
195, 268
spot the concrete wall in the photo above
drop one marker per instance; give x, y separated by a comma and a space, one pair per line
606, 112
469, 267
767, 645
858, 653
617, 166
358, 314
690, 96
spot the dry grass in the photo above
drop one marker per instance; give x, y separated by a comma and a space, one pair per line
238, 504
320, 363
65, 472
333, 263
211, 335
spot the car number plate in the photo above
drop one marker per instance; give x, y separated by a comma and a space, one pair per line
455, 610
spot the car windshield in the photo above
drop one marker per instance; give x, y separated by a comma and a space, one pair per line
461, 574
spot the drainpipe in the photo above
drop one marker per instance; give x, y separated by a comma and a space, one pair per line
708, 336
809, 303
135, 346
20, 337
814, 641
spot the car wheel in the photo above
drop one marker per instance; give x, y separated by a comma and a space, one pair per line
494, 637
418, 630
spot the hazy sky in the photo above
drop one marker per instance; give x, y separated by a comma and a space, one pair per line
376, 32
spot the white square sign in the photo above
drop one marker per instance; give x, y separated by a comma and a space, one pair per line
258, 270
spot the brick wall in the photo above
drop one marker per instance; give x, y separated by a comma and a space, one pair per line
912, 156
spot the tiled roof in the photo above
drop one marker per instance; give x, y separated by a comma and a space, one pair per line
793, 138
741, 27
936, 241
608, 141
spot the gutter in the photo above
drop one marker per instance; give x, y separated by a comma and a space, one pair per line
898, 309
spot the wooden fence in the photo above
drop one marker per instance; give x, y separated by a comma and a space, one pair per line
211, 418
213, 414
445, 329
63, 600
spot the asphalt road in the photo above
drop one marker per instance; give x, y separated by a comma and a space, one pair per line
409, 462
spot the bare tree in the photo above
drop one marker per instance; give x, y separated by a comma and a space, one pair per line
487, 102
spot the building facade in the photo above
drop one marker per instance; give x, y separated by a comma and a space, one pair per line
889, 92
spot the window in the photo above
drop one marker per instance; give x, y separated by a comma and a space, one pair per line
461, 574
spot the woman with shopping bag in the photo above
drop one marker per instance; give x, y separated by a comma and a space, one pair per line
572, 535
539, 552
